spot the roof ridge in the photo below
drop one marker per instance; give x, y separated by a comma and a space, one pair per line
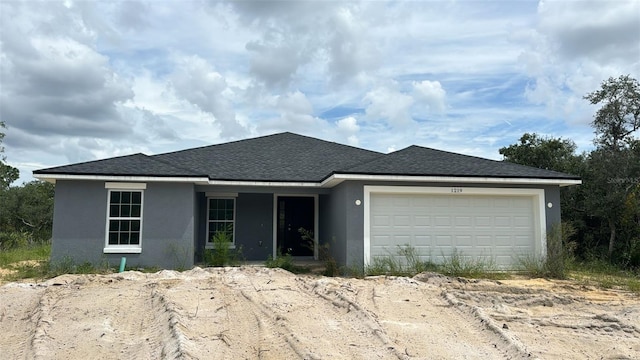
263, 137
224, 143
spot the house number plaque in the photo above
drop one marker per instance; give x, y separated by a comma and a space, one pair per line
456, 190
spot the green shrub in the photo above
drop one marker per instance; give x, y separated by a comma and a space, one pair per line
13, 240
222, 254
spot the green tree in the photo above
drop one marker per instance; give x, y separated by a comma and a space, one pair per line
544, 153
8, 173
28, 209
619, 115
614, 167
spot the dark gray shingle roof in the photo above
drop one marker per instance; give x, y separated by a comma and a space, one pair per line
279, 157
417, 160
130, 165
291, 157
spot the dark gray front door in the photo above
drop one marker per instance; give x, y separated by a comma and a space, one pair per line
295, 212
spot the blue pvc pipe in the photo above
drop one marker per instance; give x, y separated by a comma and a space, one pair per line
123, 262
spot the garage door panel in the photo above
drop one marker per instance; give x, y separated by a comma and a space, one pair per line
501, 227
502, 221
483, 222
522, 221
381, 220
444, 240
402, 220
463, 221
442, 221
464, 241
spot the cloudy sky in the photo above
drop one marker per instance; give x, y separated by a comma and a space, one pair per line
83, 80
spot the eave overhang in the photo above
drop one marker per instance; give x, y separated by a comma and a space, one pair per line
328, 182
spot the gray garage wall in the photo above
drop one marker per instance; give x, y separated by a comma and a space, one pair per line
342, 222
348, 220
168, 231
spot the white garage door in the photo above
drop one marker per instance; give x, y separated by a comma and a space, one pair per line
501, 228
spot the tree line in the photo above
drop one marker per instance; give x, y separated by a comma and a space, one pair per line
26, 211
601, 217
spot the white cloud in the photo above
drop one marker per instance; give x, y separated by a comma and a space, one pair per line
348, 124
431, 93
196, 81
575, 46
390, 105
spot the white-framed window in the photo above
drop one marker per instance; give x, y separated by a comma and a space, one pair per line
221, 217
124, 217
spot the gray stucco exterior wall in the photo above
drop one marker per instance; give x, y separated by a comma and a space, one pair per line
79, 216
342, 223
254, 225
333, 226
552, 196
80, 210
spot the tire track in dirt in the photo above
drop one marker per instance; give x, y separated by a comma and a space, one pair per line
125, 329
214, 320
18, 317
545, 321
260, 313
415, 319
316, 327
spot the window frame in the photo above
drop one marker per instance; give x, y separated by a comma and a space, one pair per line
124, 187
220, 196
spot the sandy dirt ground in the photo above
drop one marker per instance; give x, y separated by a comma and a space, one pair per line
260, 313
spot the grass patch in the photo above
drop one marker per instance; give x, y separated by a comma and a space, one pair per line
38, 252
604, 275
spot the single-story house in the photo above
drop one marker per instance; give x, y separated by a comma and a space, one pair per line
163, 210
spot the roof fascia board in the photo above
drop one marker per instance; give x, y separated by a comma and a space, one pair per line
53, 177
335, 179
198, 180
265, 183
329, 182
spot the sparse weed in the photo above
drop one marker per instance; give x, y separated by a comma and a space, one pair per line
286, 262
405, 263
352, 271
462, 266
559, 254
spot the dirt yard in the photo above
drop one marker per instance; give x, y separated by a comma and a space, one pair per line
260, 313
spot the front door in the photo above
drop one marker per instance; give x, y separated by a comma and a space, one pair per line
295, 212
